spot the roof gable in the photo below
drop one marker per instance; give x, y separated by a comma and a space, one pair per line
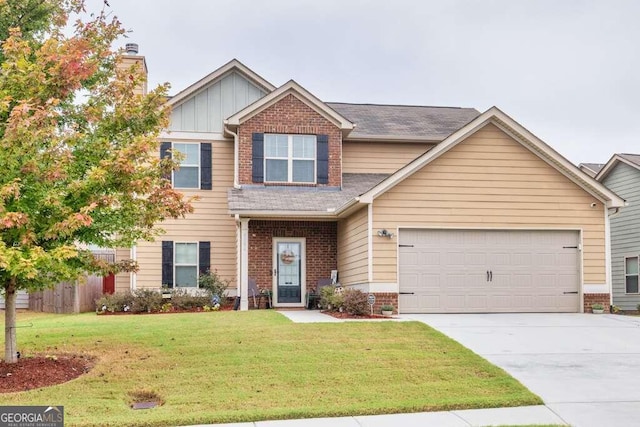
632, 160
232, 66
290, 88
519, 134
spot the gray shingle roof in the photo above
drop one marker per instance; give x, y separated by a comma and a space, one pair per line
403, 121
593, 168
302, 199
633, 158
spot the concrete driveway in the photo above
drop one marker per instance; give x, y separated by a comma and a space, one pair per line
585, 367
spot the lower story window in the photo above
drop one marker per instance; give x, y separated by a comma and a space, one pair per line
186, 265
631, 274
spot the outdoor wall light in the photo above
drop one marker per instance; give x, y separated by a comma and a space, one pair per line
385, 233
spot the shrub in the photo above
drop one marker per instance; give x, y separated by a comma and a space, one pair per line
183, 300
331, 297
114, 302
355, 302
386, 307
146, 300
214, 284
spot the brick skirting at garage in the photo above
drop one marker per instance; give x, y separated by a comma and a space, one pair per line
590, 299
385, 298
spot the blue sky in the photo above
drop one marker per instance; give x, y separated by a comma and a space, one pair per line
567, 70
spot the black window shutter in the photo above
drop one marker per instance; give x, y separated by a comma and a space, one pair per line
205, 257
165, 151
167, 263
257, 157
322, 154
205, 166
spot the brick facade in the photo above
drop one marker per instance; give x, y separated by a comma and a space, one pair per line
321, 246
385, 298
603, 299
290, 116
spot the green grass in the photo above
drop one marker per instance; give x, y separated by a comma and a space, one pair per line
245, 366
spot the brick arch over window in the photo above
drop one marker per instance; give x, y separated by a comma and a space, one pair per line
290, 116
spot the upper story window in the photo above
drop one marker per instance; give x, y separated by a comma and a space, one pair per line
195, 164
290, 158
188, 176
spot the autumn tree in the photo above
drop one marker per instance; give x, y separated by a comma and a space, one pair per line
77, 144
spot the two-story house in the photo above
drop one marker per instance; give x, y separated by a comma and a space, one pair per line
431, 209
622, 175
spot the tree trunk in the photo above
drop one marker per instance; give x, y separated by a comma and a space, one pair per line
10, 348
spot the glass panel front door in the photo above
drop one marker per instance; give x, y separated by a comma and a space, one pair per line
289, 272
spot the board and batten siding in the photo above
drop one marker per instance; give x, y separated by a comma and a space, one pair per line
379, 157
624, 180
488, 181
210, 221
206, 110
353, 246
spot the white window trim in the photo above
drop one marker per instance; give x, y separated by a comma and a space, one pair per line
624, 266
290, 159
197, 187
176, 264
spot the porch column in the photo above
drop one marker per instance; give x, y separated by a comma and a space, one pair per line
244, 264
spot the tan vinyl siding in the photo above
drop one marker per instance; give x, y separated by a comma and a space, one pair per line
353, 260
123, 280
210, 221
488, 181
379, 157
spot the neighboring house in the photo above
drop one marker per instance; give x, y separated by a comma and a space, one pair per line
622, 175
22, 300
591, 169
431, 209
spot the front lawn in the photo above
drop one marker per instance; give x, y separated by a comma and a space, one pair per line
245, 366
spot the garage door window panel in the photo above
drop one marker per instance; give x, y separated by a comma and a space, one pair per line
631, 274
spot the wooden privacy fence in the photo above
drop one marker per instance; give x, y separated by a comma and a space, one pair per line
68, 297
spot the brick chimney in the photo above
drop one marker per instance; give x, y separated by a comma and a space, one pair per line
130, 58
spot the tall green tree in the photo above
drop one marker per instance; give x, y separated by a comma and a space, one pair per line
78, 151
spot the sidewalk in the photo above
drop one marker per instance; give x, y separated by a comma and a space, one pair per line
522, 415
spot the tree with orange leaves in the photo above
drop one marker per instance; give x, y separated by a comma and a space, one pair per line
76, 144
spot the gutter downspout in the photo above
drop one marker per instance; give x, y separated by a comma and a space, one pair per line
238, 254
236, 155
133, 283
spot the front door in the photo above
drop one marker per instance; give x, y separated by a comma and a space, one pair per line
289, 272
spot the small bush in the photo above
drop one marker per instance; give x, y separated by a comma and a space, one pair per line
214, 284
386, 307
183, 300
146, 300
330, 296
355, 302
114, 303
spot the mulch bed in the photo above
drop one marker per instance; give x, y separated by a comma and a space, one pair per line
345, 315
173, 310
42, 371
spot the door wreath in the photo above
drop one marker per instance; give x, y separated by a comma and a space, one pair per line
287, 256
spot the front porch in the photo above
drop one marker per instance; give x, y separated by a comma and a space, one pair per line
286, 258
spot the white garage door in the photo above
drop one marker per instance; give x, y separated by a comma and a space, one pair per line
487, 271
